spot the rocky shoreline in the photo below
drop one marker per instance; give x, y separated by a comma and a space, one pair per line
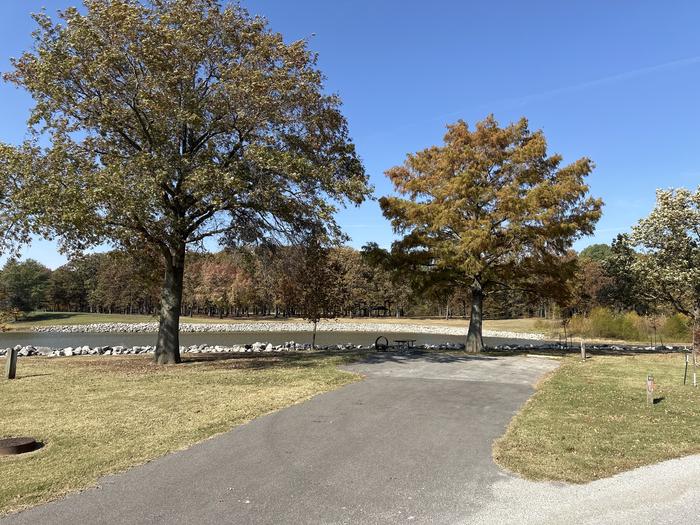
282, 326
291, 346
257, 347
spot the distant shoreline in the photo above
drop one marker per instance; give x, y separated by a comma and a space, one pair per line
277, 326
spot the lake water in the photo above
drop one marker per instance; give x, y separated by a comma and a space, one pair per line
60, 340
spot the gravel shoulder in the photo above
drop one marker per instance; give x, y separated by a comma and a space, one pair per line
665, 493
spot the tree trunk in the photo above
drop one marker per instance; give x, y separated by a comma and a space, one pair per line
313, 337
475, 341
168, 345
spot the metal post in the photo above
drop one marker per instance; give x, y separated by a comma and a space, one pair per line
685, 373
11, 363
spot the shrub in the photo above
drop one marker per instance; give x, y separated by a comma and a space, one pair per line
579, 325
676, 328
606, 324
547, 325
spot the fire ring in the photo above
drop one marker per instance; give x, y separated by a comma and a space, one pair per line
17, 445
381, 346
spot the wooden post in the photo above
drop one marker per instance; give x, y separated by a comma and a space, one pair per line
650, 389
696, 344
583, 351
11, 363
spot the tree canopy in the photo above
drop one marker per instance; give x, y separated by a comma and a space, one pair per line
23, 285
596, 252
170, 121
490, 208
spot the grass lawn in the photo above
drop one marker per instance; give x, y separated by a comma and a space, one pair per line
590, 420
75, 318
99, 415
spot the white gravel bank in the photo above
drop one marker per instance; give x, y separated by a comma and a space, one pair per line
258, 326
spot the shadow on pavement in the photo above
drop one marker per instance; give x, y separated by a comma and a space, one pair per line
432, 357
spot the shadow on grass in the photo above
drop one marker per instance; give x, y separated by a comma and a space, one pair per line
561, 352
46, 316
145, 365
303, 359
263, 361
29, 376
311, 359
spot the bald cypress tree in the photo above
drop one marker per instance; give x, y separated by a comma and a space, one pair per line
491, 209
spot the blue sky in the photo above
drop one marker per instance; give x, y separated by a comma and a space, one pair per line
615, 81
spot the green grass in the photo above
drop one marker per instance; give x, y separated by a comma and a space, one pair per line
590, 420
35, 319
98, 415
529, 325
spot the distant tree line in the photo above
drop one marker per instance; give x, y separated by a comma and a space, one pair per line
242, 282
280, 281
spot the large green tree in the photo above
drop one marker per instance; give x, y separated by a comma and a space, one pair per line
596, 252
171, 121
669, 263
491, 209
625, 289
23, 285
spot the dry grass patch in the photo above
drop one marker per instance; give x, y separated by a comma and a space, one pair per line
530, 325
98, 415
590, 420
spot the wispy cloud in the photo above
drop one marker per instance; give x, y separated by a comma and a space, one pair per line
690, 176
611, 79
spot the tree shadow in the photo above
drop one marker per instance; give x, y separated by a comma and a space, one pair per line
28, 376
406, 357
266, 360
47, 316
604, 350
